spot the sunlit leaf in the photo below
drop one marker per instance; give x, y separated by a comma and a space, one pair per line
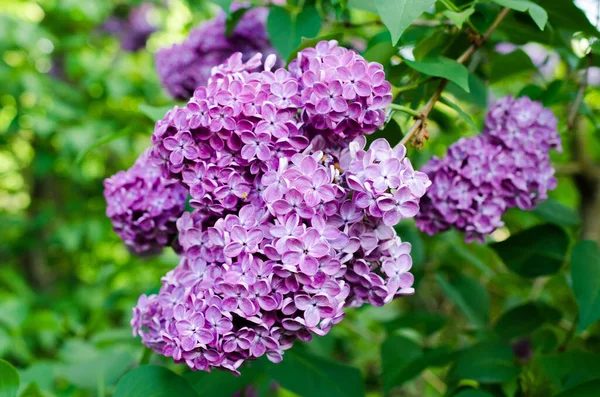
9, 380
537, 13
397, 15
442, 67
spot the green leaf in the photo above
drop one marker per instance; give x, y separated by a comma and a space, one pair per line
566, 15
537, 13
221, 383
442, 67
233, 19
469, 296
381, 52
459, 18
154, 381
309, 375
313, 42
553, 211
486, 362
539, 251
523, 320
571, 368
447, 101
397, 15
154, 113
585, 271
104, 368
474, 393
286, 30
586, 389
402, 360
507, 65
9, 380
32, 390
103, 141
224, 4
397, 352
425, 323
365, 5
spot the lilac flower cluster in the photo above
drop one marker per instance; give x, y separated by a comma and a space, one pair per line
134, 29
144, 207
289, 226
507, 166
184, 67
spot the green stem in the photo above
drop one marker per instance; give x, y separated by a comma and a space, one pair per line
569, 336
146, 356
406, 110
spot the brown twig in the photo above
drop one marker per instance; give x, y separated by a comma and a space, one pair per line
420, 125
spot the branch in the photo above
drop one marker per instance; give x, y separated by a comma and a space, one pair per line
421, 123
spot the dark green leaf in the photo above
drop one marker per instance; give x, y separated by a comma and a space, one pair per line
425, 323
308, 375
539, 251
221, 383
478, 94
459, 18
553, 211
469, 296
586, 389
153, 112
153, 381
397, 352
392, 133
397, 15
9, 380
569, 369
585, 271
233, 19
442, 67
566, 15
286, 30
402, 360
537, 13
507, 65
446, 100
523, 320
487, 362
473, 393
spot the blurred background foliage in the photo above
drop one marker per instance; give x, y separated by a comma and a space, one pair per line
75, 108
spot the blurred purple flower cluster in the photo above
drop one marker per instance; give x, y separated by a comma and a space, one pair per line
144, 207
134, 29
507, 166
184, 67
293, 218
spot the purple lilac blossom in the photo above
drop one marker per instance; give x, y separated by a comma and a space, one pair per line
184, 67
133, 30
144, 207
506, 166
288, 229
